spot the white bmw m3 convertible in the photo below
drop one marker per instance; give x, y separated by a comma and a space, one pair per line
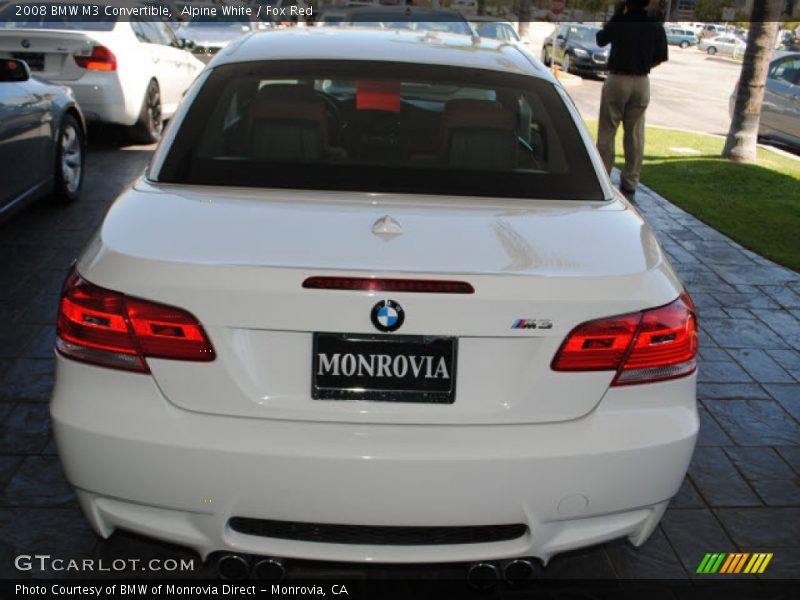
375, 299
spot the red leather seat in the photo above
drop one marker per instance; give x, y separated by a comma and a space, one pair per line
288, 123
478, 134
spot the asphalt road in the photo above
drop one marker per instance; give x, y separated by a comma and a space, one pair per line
690, 91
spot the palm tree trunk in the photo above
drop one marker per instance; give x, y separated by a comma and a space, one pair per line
740, 144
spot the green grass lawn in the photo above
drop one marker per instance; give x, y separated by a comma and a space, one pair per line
758, 205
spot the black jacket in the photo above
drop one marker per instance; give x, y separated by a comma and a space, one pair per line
638, 42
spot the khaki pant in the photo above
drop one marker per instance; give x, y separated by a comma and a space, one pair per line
624, 100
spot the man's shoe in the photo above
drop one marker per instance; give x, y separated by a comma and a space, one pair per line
628, 193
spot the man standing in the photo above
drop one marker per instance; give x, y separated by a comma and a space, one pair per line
638, 43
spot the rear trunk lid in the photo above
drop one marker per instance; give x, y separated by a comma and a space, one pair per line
237, 260
49, 53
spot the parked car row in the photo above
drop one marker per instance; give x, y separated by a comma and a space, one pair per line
58, 73
130, 73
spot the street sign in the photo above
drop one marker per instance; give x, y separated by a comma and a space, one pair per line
728, 14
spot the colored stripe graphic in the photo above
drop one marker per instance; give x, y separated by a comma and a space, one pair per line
703, 563
711, 562
764, 564
727, 564
733, 558
734, 563
715, 567
740, 563
758, 563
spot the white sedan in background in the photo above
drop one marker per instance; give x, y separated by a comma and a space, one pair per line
378, 306
132, 73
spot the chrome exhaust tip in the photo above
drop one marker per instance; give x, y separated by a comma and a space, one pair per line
482, 576
233, 567
518, 572
269, 569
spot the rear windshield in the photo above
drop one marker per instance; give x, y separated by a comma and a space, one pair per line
381, 127
75, 17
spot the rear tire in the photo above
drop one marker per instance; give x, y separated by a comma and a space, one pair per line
148, 129
684, 44
70, 161
711, 51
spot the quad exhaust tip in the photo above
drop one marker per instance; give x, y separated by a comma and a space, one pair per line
237, 567
515, 573
519, 572
483, 576
233, 567
269, 569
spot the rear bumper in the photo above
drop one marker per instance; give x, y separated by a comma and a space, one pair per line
141, 464
102, 98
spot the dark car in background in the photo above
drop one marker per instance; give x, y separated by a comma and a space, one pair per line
42, 139
780, 111
574, 47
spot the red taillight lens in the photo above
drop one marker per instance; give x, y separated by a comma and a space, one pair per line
424, 286
665, 346
653, 345
101, 59
597, 345
107, 328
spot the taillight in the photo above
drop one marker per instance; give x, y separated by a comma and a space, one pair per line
110, 329
101, 59
642, 347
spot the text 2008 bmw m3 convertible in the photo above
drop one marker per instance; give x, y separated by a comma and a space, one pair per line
375, 300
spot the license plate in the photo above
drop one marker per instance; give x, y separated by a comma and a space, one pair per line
35, 60
384, 368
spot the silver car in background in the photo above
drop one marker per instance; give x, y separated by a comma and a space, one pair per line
42, 139
729, 45
492, 28
780, 111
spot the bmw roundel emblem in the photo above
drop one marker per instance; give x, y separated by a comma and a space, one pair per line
387, 315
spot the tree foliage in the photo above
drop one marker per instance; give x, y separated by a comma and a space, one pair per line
711, 10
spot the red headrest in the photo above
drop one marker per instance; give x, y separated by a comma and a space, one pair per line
290, 102
483, 114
